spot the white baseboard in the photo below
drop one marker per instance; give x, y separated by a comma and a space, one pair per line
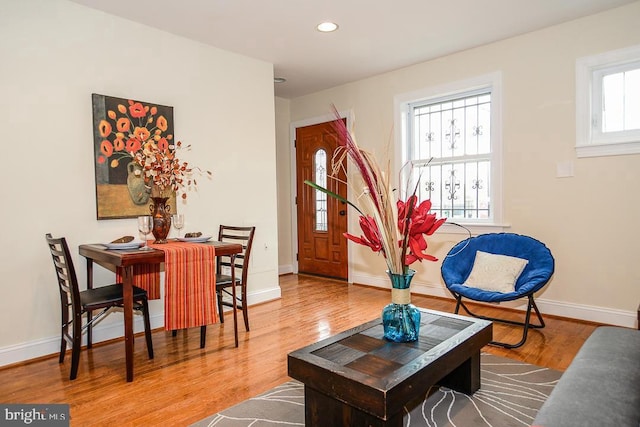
285, 269
609, 316
107, 330
264, 295
46, 346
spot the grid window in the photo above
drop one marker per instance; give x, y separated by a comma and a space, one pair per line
451, 153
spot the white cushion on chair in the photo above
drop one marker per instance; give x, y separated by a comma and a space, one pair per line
493, 272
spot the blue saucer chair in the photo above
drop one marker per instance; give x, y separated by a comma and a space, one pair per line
459, 262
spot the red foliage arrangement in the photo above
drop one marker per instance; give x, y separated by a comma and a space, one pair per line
391, 226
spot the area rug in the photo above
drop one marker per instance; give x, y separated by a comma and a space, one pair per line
511, 394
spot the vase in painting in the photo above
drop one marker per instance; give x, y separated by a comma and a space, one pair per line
139, 191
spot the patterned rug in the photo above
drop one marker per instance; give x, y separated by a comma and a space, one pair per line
511, 394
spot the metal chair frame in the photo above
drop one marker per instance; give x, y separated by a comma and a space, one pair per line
525, 286
526, 324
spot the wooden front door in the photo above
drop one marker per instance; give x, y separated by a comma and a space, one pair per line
322, 220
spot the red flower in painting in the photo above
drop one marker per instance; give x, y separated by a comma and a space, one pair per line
106, 148
118, 144
122, 124
163, 144
141, 133
104, 128
133, 145
137, 110
162, 123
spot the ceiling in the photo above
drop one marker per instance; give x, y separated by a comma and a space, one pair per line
374, 36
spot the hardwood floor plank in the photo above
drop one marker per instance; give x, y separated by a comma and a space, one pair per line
184, 383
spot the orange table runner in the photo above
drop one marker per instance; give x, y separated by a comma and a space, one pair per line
145, 276
189, 284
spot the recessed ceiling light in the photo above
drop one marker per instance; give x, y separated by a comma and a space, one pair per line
279, 80
327, 27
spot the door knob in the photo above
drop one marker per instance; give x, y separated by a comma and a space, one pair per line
342, 213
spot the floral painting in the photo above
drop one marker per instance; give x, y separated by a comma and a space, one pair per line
122, 128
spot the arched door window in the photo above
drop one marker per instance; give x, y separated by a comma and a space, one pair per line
320, 174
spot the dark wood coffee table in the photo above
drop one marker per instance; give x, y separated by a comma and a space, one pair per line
358, 378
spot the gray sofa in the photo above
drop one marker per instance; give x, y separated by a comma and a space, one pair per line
601, 387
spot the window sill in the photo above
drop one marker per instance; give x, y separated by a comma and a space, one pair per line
450, 227
610, 149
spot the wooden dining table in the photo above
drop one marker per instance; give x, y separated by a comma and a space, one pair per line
126, 260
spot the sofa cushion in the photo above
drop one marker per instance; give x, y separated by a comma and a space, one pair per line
601, 387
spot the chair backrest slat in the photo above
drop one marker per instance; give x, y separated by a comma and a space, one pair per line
243, 236
65, 272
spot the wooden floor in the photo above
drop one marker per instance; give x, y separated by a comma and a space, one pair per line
184, 383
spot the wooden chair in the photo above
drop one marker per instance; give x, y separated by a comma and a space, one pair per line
459, 262
75, 303
244, 236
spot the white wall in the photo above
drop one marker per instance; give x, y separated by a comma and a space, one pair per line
283, 157
55, 54
589, 221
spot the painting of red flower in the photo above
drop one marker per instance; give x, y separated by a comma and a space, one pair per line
122, 128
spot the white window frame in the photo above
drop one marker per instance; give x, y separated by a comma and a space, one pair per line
590, 141
492, 81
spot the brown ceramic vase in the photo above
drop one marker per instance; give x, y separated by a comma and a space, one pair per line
161, 213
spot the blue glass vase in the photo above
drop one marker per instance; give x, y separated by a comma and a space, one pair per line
401, 319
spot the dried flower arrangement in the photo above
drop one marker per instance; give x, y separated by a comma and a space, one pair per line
134, 133
390, 225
